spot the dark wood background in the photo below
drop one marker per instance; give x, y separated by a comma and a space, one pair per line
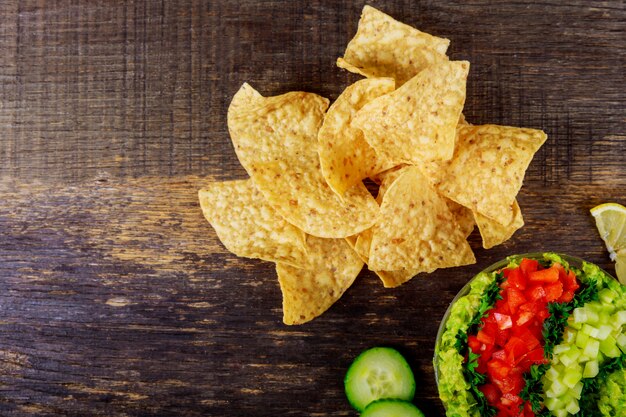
116, 298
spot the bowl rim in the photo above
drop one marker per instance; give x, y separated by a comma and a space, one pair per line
572, 260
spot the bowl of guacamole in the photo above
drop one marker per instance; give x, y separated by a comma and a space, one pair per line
539, 334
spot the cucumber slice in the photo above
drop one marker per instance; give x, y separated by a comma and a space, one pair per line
391, 408
378, 373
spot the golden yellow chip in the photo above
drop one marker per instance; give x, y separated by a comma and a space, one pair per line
275, 139
417, 122
493, 233
384, 47
345, 156
308, 292
488, 168
248, 226
463, 217
416, 230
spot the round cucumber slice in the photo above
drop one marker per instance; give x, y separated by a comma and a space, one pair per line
378, 373
391, 408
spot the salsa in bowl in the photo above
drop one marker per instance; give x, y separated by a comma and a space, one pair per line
534, 335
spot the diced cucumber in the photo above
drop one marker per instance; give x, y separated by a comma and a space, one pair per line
591, 369
580, 315
582, 339
560, 349
570, 356
553, 403
569, 337
572, 376
391, 408
604, 331
621, 341
560, 413
572, 407
609, 347
558, 388
590, 330
552, 374
592, 348
607, 295
577, 390
620, 317
378, 373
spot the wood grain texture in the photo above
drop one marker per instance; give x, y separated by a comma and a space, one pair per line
117, 299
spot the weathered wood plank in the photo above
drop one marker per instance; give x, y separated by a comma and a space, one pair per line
117, 299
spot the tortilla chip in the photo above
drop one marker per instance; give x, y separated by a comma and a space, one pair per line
416, 230
275, 139
248, 226
417, 122
384, 47
493, 233
488, 168
463, 216
307, 293
345, 156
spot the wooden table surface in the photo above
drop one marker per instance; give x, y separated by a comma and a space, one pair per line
117, 299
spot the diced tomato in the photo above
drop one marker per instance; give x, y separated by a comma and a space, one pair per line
515, 298
566, 297
503, 320
524, 317
473, 343
492, 393
534, 357
498, 369
502, 336
511, 399
515, 348
529, 266
526, 335
545, 275
570, 283
510, 384
499, 355
536, 293
502, 306
486, 337
554, 291
528, 410
515, 278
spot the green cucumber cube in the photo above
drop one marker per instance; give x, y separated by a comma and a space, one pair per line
582, 339
592, 348
591, 369
572, 376
609, 347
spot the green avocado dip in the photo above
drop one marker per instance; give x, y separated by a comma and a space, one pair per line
457, 394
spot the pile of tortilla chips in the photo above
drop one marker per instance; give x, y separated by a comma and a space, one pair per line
305, 206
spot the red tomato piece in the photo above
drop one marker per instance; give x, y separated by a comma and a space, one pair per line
486, 337
498, 370
528, 410
502, 306
515, 278
566, 297
515, 349
554, 291
536, 293
527, 337
499, 355
515, 298
549, 275
474, 344
503, 320
502, 336
534, 357
492, 393
509, 399
524, 317
570, 282
529, 266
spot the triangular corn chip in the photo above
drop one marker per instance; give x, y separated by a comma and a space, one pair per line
493, 233
345, 156
308, 292
417, 122
463, 217
416, 230
488, 168
248, 226
384, 47
275, 139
